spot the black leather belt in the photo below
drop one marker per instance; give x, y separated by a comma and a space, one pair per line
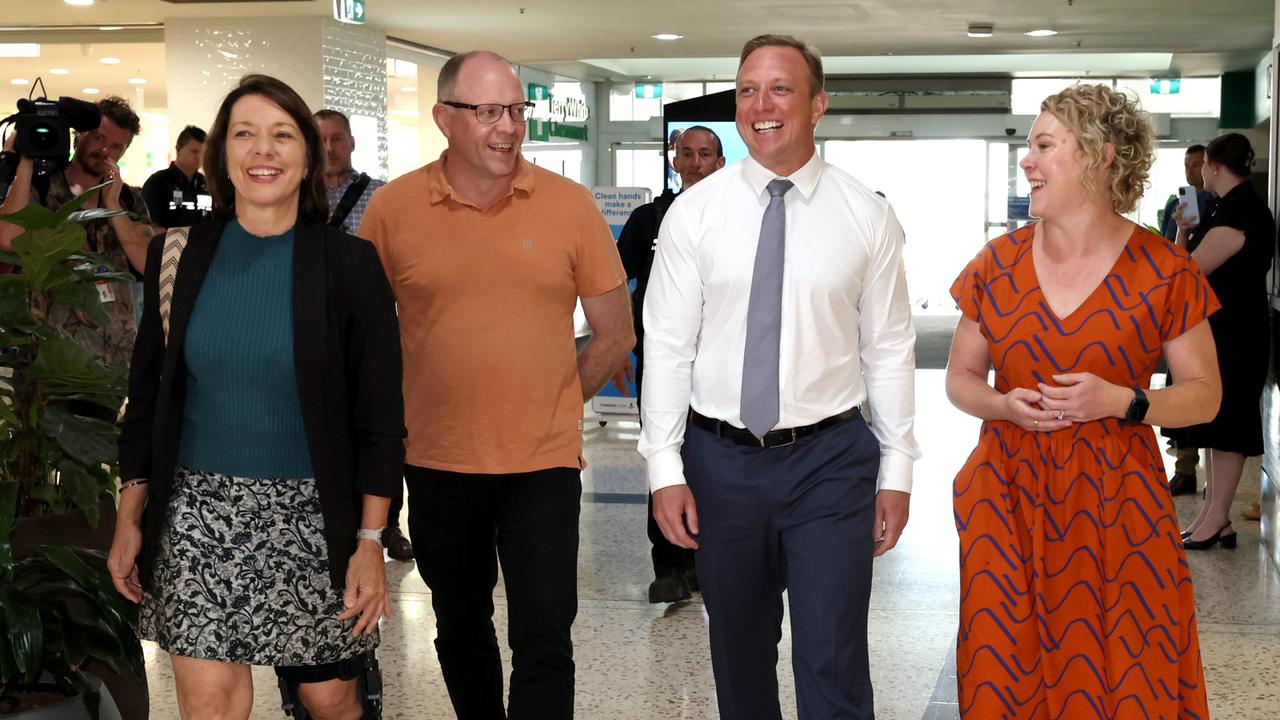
771, 439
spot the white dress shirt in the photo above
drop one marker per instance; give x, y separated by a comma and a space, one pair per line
846, 336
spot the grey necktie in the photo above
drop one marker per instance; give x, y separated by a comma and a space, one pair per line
759, 410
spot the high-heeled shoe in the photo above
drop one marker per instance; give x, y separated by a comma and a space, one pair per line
1227, 541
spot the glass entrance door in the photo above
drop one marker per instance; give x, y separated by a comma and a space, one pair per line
939, 191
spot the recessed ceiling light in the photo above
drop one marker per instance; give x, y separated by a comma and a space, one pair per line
59, 71
19, 50
137, 81
409, 89
1042, 33
981, 30
19, 81
91, 91
109, 60
667, 36
108, 28
78, 2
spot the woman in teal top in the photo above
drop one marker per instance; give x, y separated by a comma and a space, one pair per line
263, 437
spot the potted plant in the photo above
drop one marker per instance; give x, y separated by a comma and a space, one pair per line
58, 607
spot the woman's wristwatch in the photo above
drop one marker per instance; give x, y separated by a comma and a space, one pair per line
1137, 411
366, 534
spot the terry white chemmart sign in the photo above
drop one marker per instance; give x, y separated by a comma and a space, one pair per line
553, 113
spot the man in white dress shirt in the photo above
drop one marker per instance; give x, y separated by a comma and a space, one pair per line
776, 306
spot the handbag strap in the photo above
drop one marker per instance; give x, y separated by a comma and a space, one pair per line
175, 241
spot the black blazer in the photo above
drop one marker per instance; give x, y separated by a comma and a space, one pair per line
346, 341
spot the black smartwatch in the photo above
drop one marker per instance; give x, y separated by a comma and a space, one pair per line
1137, 411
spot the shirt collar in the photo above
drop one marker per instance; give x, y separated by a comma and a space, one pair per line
805, 179
439, 190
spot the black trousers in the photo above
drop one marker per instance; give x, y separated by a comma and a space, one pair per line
668, 559
397, 504
462, 526
796, 518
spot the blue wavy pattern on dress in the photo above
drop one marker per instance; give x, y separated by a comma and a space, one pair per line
1033, 509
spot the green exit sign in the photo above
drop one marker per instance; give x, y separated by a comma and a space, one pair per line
1166, 86
349, 11
648, 91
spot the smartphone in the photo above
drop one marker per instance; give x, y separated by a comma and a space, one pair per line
1190, 206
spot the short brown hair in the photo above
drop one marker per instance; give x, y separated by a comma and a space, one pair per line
327, 114
190, 133
812, 58
453, 66
117, 110
313, 199
1099, 116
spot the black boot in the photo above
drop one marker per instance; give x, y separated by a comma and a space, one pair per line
669, 589
1182, 484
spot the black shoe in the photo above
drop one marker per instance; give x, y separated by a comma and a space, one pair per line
397, 545
1182, 484
1227, 541
691, 579
669, 589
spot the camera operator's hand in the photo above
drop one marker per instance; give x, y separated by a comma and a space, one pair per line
11, 142
110, 198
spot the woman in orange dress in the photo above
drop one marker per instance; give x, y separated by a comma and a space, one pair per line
1075, 598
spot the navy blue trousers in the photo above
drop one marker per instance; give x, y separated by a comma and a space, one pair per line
796, 518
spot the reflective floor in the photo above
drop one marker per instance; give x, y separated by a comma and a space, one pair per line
638, 661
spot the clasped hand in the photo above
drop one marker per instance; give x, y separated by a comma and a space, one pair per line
1075, 398
366, 596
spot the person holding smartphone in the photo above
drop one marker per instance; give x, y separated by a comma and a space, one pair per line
1183, 480
1233, 244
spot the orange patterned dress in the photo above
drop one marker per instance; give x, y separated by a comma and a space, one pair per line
1075, 597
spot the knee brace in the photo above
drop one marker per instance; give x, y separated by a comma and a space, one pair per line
362, 668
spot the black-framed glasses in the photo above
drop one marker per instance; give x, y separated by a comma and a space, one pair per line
490, 113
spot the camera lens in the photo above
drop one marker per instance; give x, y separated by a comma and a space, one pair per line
43, 136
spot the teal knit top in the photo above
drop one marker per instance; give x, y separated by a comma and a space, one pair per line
242, 415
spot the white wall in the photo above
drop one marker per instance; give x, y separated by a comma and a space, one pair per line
207, 56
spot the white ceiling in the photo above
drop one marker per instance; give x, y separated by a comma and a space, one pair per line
600, 40
137, 60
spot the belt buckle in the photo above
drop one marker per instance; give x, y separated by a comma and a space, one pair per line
790, 441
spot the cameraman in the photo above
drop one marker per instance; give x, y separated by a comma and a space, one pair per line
121, 239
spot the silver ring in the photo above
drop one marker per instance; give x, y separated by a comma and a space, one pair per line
1062, 414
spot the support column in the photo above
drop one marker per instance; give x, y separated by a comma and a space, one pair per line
330, 64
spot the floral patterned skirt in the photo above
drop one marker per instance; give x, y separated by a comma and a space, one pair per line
243, 575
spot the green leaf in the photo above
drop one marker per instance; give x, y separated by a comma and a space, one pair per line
32, 217
26, 632
8, 670
65, 211
50, 495
65, 559
67, 369
83, 490
8, 511
40, 252
15, 307
83, 296
89, 440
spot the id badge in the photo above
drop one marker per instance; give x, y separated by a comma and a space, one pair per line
106, 293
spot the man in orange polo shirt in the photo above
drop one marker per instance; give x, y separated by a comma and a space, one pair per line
488, 255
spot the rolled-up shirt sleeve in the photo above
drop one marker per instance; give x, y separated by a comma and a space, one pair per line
672, 319
887, 352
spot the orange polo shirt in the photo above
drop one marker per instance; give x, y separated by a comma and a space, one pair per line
486, 301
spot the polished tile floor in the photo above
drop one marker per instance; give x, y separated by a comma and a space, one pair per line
644, 662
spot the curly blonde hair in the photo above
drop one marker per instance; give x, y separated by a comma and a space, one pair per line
1099, 115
